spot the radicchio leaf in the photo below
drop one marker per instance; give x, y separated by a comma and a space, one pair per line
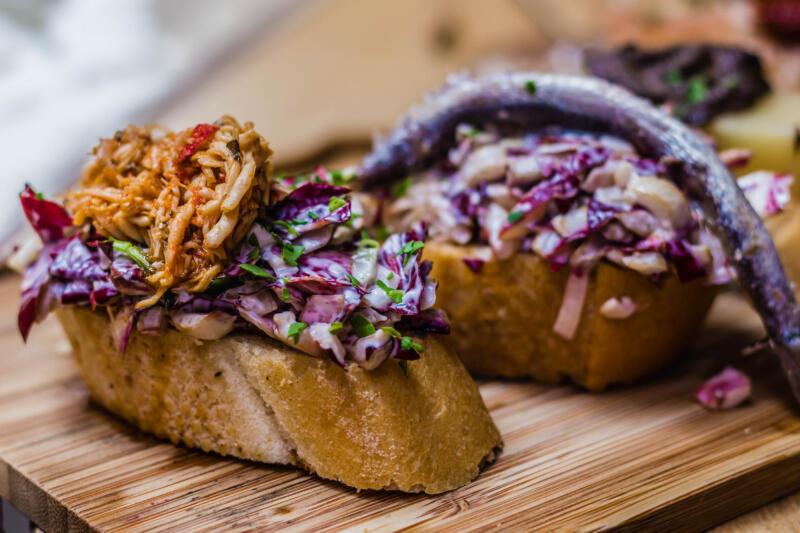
49, 219
307, 208
686, 264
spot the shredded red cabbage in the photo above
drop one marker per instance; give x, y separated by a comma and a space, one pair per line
288, 271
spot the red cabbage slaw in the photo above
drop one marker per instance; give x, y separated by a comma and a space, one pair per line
304, 276
572, 198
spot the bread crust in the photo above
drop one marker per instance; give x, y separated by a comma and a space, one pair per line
251, 397
785, 230
502, 319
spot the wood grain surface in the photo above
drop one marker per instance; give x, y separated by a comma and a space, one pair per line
638, 458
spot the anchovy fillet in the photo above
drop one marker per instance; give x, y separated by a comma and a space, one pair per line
525, 101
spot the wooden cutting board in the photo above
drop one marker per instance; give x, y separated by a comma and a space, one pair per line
635, 458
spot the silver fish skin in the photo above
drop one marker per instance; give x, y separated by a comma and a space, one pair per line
527, 101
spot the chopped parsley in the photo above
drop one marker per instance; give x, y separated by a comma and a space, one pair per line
530, 86
285, 294
673, 77
257, 271
132, 251
407, 343
233, 146
410, 248
287, 226
353, 280
298, 222
390, 275
336, 202
366, 241
339, 178
291, 253
255, 253
353, 217
335, 328
395, 295
391, 331
381, 233
697, 91
362, 326
401, 187
514, 216
468, 132
39, 196
295, 329
313, 216
222, 284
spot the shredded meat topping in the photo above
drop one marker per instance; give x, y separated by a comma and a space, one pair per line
188, 197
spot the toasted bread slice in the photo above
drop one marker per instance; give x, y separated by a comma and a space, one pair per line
502, 319
251, 397
785, 230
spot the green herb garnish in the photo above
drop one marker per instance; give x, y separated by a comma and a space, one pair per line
132, 251
313, 216
401, 187
222, 284
530, 86
233, 146
362, 326
257, 271
391, 331
353, 280
335, 328
285, 294
366, 241
407, 343
514, 216
39, 196
339, 178
353, 217
698, 90
673, 77
336, 202
295, 329
287, 226
381, 233
409, 248
298, 222
395, 295
390, 275
403, 366
255, 253
291, 253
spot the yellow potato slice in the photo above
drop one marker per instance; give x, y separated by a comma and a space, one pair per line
769, 129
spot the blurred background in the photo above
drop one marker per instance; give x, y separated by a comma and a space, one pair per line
318, 77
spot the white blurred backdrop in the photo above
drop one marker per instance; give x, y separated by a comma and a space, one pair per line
74, 70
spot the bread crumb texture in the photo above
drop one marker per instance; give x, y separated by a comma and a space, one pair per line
502, 319
250, 397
